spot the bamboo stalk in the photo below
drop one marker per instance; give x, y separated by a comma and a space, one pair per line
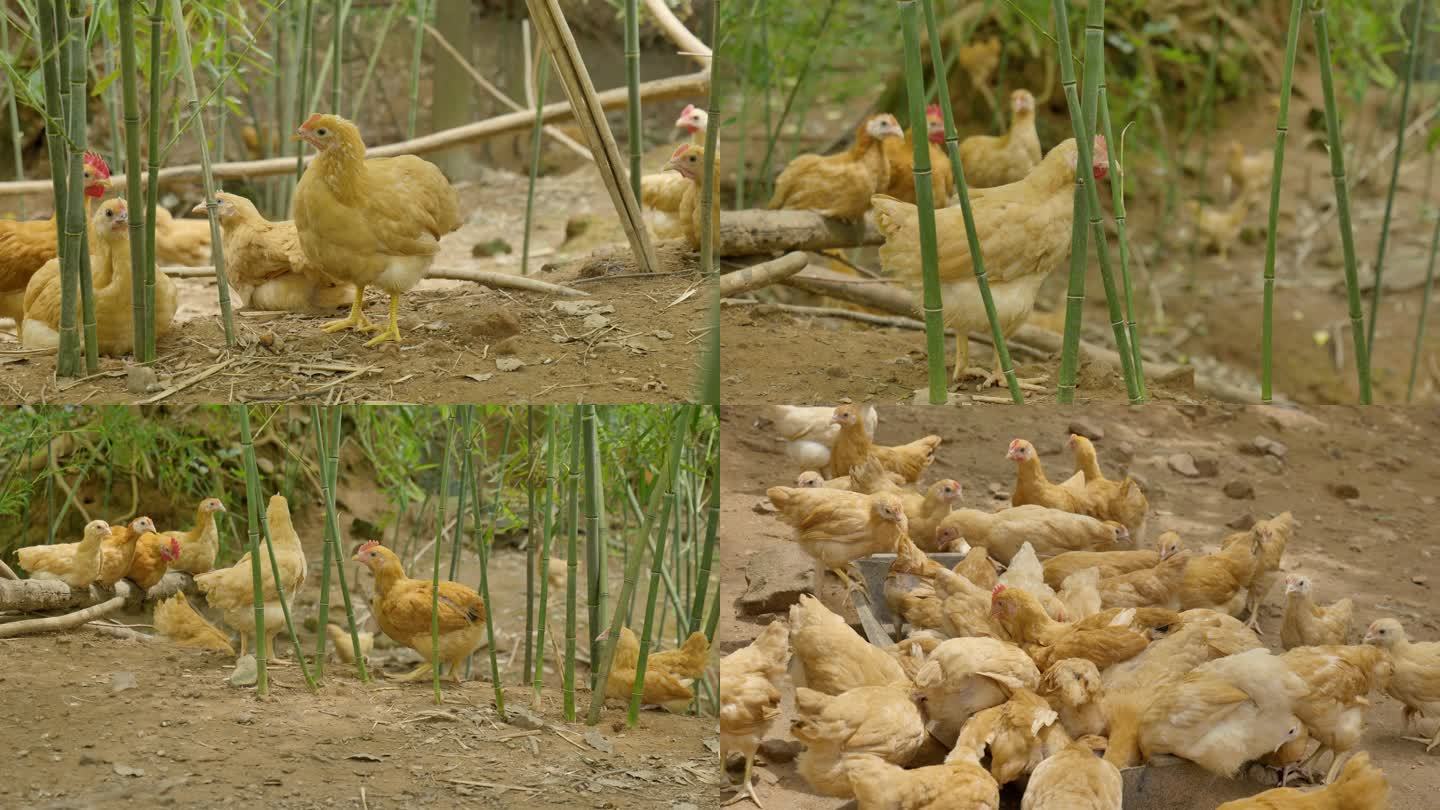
330, 474
217, 248
536, 147
1417, 23
379, 48
1117, 197
52, 53
284, 603
1424, 307
709, 388
712, 533
257, 583
595, 551
322, 618
152, 189
13, 114
76, 134
222, 74
634, 135
422, 14
648, 626
572, 560
530, 555
435, 571
632, 568
485, 544
547, 532
337, 49
134, 194
972, 236
463, 416
302, 91
1342, 197
1282, 128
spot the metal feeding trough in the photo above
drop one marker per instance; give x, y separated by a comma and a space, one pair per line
1166, 783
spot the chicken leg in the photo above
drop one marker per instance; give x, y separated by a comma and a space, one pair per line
749, 792
391, 330
356, 319
1430, 743
415, 674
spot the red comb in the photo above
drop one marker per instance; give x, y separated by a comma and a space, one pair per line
933, 109
680, 150
311, 121
689, 108
999, 589
97, 163
367, 545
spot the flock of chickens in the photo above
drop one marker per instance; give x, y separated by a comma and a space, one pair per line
359, 222
1057, 636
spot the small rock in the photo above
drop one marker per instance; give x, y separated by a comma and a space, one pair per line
595, 321
1273, 465
126, 770
493, 247
139, 379
508, 346
599, 742
480, 377
663, 334
1270, 447
245, 718
1419, 579
244, 673
436, 326
643, 343
120, 681
582, 308
1345, 492
775, 578
1087, 428
1207, 467
523, 718
777, 751
1183, 463
86, 758
363, 757
1240, 491
496, 323
509, 363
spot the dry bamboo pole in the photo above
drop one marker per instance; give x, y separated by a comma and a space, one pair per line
712, 533
555, 34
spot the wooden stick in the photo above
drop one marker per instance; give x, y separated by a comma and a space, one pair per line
6, 572
69, 620
120, 632
29, 595
485, 277
560, 43
675, 31
763, 274
748, 233
689, 85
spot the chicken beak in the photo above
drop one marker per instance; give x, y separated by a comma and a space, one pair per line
200, 209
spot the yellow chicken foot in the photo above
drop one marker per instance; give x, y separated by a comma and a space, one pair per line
1430, 743
391, 331
415, 674
962, 357
455, 672
356, 320
749, 792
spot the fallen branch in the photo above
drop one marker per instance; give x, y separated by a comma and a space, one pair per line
31, 595
120, 632
486, 277
754, 232
66, 622
689, 85
675, 31
6, 572
763, 274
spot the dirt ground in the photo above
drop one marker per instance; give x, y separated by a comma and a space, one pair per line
73, 740
642, 343
1375, 547
1193, 308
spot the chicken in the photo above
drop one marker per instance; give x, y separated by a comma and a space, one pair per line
840, 185
750, 680
1033, 487
1248, 174
1218, 229
1225, 712
1339, 680
910, 590
1151, 621
26, 246
182, 241
965, 607
1121, 501
879, 720
910, 653
811, 478
963, 676
1074, 779
1416, 678
661, 193
111, 274
1080, 594
668, 674
900, 156
923, 513
375, 222
118, 550
1221, 581
1049, 531
154, 553
832, 658
689, 161
1049, 641
75, 564
266, 266
853, 445
344, 647
1073, 688
977, 568
1148, 587
176, 620
1361, 786
837, 527
1024, 231
199, 546
1110, 563
1307, 624
991, 160
1274, 536
979, 60
809, 432
1026, 572
1020, 733
402, 607
956, 784
231, 590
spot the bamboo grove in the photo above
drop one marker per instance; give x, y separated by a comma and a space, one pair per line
623, 499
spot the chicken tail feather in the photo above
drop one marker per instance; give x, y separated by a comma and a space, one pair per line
1123, 748
1361, 784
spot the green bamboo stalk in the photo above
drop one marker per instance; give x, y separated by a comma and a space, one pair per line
595, 551
485, 544
380, 37
530, 554
774, 134
422, 13
1282, 128
54, 137
152, 186
435, 573
13, 114
76, 134
934, 308
257, 582
634, 135
712, 533
657, 565
1417, 24
1424, 308
330, 466
284, 603
223, 74
337, 49
632, 566
536, 148
709, 388
117, 154
572, 561
972, 237
1342, 197
55, 51
743, 125
322, 619
134, 194
464, 419
217, 250
552, 448
302, 91
1117, 197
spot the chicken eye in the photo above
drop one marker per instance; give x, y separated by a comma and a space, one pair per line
322, 132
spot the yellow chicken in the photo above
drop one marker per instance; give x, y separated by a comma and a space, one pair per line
176, 620
75, 564
266, 266
1074, 779
199, 546
1361, 786
750, 680
879, 720
957, 784
668, 674
231, 590
402, 606
1416, 680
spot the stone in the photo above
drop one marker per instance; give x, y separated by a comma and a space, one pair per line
775, 579
523, 718
1239, 490
1345, 492
776, 751
245, 673
595, 321
496, 324
599, 742
1242, 523
509, 363
1087, 428
1419, 579
1183, 463
141, 379
120, 681
1207, 466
